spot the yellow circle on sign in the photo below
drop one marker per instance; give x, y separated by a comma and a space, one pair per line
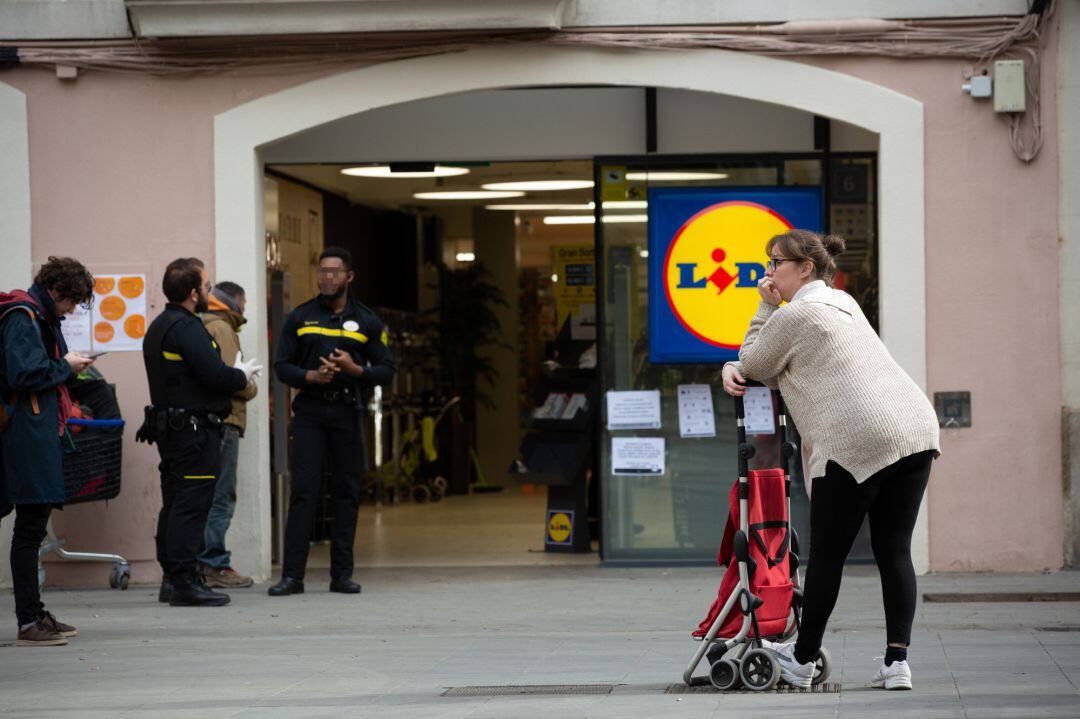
712, 268
559, 527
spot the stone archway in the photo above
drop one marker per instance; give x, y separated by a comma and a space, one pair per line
241, 132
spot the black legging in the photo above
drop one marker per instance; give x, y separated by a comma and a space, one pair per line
31, 521
837, 506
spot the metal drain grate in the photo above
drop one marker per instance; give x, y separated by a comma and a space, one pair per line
529, 690
826, 688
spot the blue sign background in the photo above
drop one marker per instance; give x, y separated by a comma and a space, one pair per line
669, 209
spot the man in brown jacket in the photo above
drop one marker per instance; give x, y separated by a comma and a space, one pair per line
223, 319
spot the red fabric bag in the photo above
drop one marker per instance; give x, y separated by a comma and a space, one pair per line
767, 528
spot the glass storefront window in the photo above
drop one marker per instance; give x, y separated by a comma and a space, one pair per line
679, 516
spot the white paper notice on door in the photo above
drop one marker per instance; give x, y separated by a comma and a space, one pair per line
758, 411
638, 409
696, 418
637, 456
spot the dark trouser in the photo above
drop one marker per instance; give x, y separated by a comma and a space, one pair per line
190, 464
30, 525
838, 504
323, 430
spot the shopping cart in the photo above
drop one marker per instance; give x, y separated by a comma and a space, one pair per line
92, 460
760, 596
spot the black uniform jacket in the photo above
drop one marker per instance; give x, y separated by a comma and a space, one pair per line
312, 330
184, 365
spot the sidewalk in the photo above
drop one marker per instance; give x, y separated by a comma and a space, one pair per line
392, 651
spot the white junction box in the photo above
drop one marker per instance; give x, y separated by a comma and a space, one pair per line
1009, 93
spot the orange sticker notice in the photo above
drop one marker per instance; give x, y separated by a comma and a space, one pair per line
119, 314
131, 286
103, 332
135, 326
112, 308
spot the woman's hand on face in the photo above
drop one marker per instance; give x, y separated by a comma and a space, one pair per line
769, 293
734, 384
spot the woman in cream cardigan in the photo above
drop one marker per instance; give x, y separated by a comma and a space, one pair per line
869, 438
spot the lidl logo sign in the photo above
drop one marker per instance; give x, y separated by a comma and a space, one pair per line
709, 250
560, 527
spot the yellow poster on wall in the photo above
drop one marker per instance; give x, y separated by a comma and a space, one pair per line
575, 290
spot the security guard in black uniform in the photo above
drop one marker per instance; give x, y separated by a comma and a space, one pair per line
328, 347
191, 390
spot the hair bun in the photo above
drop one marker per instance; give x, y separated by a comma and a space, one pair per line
834, 244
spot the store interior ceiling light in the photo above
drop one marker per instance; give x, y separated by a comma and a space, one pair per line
543, 207
540, 185
385, 171
662, 176
589, 219
465, 256
570, 207
466, 195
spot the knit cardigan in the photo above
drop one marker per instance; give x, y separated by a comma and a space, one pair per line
846, 394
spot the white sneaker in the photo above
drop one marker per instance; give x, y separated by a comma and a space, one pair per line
791, 671
893, 676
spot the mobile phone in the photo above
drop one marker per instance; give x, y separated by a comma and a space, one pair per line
95, 355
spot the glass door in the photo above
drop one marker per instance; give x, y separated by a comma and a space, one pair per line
678, 514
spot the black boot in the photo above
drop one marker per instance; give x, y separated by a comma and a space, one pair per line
285, 587
189, 591
165, 593
344, 585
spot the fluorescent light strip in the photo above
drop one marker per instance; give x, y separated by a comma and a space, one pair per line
540, 185
662, 176
589, 219
466, 195
383, 171
570, 207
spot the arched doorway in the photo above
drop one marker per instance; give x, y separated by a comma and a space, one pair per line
240, 133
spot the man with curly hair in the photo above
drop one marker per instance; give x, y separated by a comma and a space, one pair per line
35, 366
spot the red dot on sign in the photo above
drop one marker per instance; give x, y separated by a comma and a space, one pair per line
718, 255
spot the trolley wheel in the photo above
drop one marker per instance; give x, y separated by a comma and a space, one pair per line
420, 494
437, 495
119, 577
759, 670
440, 483
724, 675
822, 666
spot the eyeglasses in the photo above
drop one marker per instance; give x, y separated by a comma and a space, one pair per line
334, 272
774, 262
209, 286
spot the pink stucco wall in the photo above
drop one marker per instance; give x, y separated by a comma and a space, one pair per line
121, 177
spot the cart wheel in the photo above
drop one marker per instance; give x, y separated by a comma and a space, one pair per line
420, 494
822, 666
440, 483
119, 577
759, 670
724, 675
437, 494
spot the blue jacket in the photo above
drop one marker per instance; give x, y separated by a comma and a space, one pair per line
31, 470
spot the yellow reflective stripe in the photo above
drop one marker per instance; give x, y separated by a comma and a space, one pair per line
384, 337
213, 344
200, 476
172, 356
326, 331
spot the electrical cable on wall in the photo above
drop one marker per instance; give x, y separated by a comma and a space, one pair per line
977, 39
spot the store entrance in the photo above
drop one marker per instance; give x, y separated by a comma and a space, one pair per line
468, 276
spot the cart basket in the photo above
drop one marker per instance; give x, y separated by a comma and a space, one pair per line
92, 461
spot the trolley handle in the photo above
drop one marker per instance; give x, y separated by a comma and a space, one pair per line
95, 422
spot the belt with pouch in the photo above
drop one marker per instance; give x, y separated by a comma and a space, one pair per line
346, 394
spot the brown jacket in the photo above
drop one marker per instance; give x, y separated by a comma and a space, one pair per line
223, 324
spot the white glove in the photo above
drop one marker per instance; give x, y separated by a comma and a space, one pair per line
251, 368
